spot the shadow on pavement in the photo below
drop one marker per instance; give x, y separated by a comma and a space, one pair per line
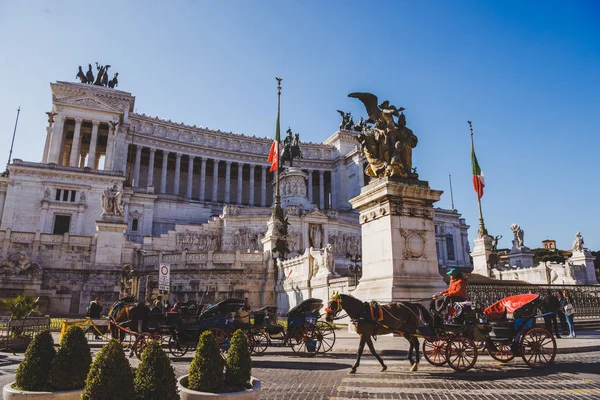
299, 364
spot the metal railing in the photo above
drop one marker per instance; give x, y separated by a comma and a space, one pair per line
21, 331
585, 298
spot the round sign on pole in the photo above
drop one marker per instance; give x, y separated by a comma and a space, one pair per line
164, 272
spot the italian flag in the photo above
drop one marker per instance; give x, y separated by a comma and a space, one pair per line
478, 178
274, 152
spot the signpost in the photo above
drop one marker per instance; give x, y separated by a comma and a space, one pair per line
164, 276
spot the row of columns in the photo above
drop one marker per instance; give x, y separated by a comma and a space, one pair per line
76, 146
215, 180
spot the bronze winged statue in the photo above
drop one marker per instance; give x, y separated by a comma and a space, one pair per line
388, 145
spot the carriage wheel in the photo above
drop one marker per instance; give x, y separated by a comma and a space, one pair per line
176, 347
461, 353
538, 348
434, 351
260, 342
303, 341
501, 352
222, 339
325, 335
141, 342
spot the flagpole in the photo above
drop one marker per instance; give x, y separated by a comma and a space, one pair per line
451, 194
13, 139
482, 231
277, 204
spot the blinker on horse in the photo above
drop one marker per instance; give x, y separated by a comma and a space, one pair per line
371, 319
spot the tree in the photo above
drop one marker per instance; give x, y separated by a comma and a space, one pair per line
547, 255
21, 307
154, 377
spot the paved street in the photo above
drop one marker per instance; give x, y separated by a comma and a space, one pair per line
575, 374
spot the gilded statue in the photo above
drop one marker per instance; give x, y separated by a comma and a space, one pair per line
388, 144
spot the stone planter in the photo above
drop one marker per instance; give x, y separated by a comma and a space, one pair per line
187, 394
13, 394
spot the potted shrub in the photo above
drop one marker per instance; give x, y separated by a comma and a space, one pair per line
32, 381
72, 362
210, 376
154, 377
110, 376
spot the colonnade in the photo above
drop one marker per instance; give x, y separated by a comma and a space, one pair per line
218, 185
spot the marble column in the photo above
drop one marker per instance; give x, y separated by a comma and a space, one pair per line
55, 150
361, 176
2, 199
74, 159
190, 176
91, 163
263, 187
136, 171
203, 180
215, 188
321, 190
334, 190
310, 185
151, 168
82, 160
177, 173
163, 172
110, 149
251, 184
239, 182
227, 180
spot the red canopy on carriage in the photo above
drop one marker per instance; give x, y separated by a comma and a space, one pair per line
506, 307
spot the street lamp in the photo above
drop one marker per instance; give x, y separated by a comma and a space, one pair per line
355, 266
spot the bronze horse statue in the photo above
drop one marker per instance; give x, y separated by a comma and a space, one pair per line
81, 76
130, 315
370, 319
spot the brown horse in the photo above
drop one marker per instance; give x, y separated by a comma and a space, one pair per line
403, 318
130, 315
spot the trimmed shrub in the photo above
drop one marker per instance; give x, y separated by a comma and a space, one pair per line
155, 377
72, 362
110, 376
206, 370
238, 365
32, 373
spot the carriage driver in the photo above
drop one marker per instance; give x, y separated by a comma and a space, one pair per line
456, 292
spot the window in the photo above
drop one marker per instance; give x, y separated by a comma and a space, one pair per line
134, 225
65, 195
450, 246
61, 224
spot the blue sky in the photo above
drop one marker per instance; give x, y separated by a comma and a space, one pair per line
526, 73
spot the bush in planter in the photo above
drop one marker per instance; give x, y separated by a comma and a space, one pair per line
110, 376
206, 370
154, 377
32, 373
238, 365
72, 362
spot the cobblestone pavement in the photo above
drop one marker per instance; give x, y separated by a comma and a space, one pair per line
285, 377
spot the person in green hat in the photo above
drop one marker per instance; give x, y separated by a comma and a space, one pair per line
456, 292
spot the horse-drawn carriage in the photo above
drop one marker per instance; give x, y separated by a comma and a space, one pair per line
507, 329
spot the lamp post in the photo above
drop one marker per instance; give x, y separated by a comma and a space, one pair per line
355, 266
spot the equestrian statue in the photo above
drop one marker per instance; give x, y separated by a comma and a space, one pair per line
291, 147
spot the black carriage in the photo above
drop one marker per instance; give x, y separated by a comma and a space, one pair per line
305, 334
505, 329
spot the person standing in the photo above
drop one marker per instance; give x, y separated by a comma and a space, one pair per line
570, 313
95, 311
551, 306
561, 313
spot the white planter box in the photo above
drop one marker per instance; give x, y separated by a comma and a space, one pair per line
13, 394
187, 394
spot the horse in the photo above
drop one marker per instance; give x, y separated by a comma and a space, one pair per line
403, 318
134, 316
89, 75
81, 76
113, 82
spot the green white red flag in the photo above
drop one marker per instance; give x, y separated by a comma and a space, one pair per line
274, 152
478, 177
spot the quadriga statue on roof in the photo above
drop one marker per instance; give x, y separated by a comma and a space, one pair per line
388, 144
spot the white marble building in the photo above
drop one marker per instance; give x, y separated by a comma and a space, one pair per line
181, 185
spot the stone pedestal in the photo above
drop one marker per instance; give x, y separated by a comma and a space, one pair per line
585, 259
398, 240
480, 254
292, 185
520, 257
274, 274
109, 242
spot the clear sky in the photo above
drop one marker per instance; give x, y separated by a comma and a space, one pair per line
527, 73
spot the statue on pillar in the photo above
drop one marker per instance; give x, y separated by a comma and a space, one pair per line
518, 233
111, 201
291, 147
578, 242
388, 145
